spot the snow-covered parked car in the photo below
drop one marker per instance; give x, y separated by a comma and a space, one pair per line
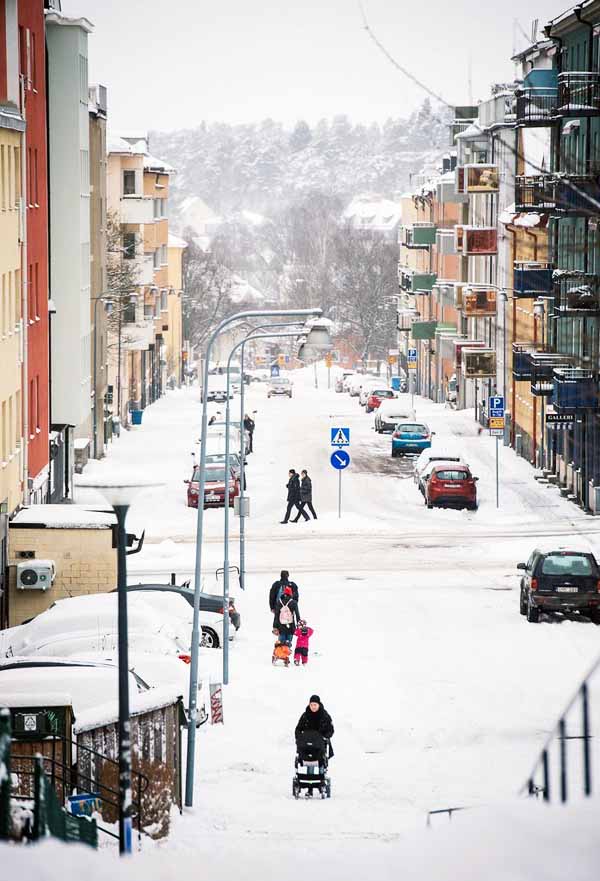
441, 452
390, 413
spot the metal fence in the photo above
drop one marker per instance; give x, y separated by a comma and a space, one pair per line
564, 769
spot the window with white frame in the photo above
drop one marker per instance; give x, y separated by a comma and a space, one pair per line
128, 182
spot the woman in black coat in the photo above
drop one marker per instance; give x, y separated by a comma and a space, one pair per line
316, 718
286, 630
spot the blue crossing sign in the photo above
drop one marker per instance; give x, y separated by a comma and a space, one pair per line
340, 437
496, 406
340, 459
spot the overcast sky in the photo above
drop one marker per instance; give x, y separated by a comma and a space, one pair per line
173, 63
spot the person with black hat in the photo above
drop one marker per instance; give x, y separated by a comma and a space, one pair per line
316, 718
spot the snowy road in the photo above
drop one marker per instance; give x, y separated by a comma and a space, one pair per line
439, 690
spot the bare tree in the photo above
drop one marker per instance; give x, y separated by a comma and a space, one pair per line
365, 274
207, 286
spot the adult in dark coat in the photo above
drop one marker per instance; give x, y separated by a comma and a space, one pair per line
316, 718
305, 497
278, 587
249, 426
286, 631
293, 495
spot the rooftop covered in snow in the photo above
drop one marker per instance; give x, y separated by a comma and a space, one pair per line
63, 517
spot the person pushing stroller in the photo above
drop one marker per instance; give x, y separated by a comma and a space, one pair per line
313, 750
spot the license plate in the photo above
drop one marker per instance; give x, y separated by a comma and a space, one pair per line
213, 496
567, 589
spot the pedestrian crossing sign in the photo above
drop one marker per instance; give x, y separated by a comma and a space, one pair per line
340, 437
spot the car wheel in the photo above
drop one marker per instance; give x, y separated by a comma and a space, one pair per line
428, 503
522, 604
533, 613
295, 788
210, 639
472, 506
394, 453
595, 615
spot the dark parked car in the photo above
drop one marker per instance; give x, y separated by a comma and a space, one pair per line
560, 581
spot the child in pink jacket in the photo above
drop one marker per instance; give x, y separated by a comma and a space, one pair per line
303, 634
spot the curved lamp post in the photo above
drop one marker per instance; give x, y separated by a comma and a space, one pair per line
119, 493
317, 339
195, 646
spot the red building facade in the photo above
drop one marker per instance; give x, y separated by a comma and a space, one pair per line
36, 416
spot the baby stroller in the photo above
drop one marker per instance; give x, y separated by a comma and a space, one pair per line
311, 765
281, 652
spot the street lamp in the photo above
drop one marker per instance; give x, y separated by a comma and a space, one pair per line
119, 493
318, 340
195, 647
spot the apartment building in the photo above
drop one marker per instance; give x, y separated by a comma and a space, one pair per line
137, 194
12, 341
34, 173
69, 179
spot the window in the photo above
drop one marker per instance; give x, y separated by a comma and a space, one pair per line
164, 300
17, 299
4, 428
35, 177
129, 311
156, 258
129, 183
33, 60
37, 403
83, 79
30, 294
163, 255
36, 287
148, 310
129, 245
452, 475
567, 564
17, 176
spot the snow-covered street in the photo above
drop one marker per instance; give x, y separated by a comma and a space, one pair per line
440, 692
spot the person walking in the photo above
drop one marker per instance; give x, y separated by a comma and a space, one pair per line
286, 616
277, 589
305, 497
249, 426
303, 634
293, 495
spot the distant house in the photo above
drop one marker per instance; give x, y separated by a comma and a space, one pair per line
373, 214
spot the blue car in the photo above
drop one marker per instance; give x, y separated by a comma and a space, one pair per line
410, 437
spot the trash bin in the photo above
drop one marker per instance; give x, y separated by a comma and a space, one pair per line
136, 417
396, 383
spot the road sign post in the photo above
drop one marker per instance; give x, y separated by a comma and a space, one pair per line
411, 363
496, 429
340, 459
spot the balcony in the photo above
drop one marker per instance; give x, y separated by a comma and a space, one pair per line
543, 365
531, 280
575, 389
521, 363
479, 241
144, 269
579, 193
536, 106
535, 192
576, 293
477, 178
137, 210
479, 303
418, 235
138, 336
414, 282
578, 94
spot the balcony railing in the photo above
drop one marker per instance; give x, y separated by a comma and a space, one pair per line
530, 280
576, 293
578, 93
575, 389
521, 362
536, 106
535, 192
543, 365
414, 282
578, 193
418, 235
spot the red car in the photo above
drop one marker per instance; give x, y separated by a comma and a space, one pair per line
451, 484
376, 397
214, 487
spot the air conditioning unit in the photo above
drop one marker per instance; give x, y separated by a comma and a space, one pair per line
35, 574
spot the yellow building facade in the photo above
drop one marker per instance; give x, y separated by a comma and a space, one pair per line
174, 336
11, 325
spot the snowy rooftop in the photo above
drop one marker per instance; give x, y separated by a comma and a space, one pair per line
63, 517
151, 163
176, 241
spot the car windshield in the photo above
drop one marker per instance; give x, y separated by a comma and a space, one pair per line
566, 564
411, 428
452, 475
213, 475
279, 381
382, 393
